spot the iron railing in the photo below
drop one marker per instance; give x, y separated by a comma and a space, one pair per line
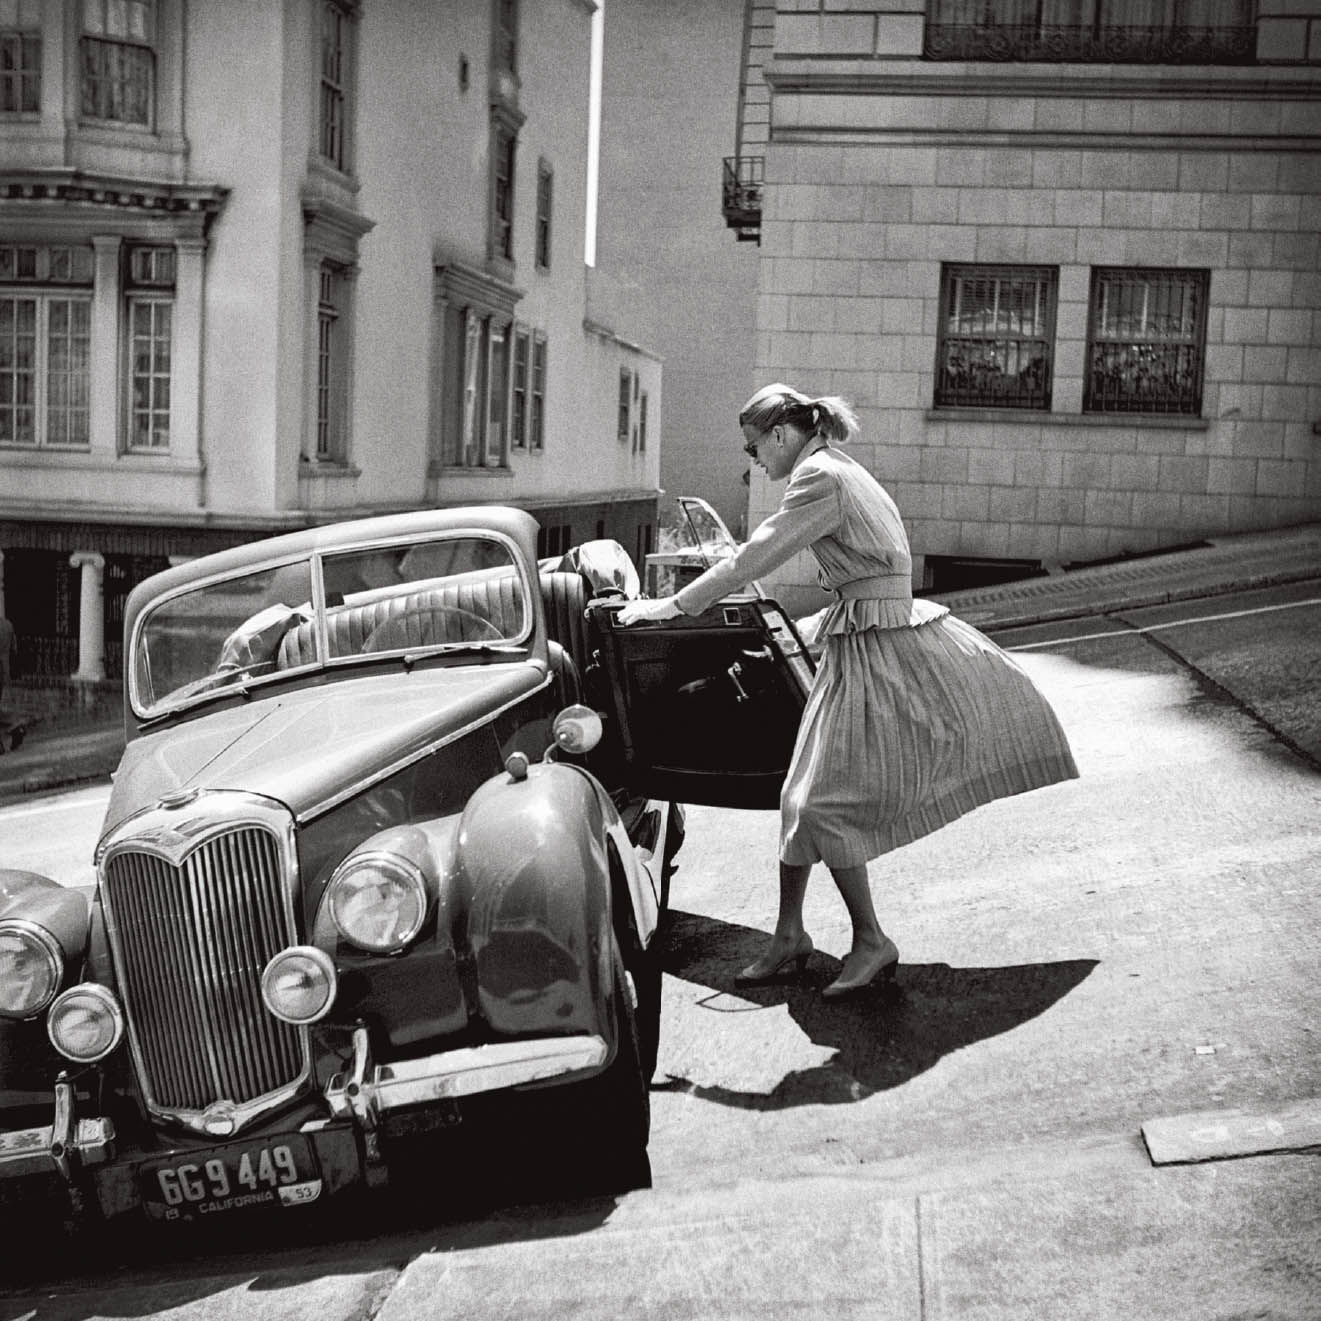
1094, 44
1144, 378
977, 372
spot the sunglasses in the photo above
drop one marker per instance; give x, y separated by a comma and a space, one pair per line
750, 446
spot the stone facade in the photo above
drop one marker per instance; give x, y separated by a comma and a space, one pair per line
884, 170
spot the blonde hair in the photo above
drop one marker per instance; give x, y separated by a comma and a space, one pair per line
828, 416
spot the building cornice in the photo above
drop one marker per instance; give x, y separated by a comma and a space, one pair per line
102, 192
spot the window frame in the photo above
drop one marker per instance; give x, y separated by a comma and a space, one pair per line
948, 396
149, 277
1195, 281
23, 78
625, 403
520, 379
537, 393
542, 231
327, 427
54, 277
104, 80
335, 103
504, 165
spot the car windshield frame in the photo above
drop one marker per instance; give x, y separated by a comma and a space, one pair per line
318, 611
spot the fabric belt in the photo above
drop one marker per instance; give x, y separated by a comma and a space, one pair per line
885, 587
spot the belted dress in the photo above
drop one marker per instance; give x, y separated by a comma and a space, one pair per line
915, 717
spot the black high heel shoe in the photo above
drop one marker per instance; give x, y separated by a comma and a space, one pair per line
881, 970
793, 963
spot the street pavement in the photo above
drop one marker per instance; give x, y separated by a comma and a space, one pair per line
1198, 1215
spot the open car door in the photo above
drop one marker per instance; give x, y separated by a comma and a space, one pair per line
706, 707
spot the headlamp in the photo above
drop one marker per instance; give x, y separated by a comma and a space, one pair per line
377, 901
31, 966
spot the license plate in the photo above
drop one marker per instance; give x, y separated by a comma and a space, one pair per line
274, 1172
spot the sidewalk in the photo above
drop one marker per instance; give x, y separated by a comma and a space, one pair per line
1228, 564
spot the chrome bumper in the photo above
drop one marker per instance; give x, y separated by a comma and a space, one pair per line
58, 1147
366, 1090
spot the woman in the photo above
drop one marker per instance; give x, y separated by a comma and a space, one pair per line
914, 718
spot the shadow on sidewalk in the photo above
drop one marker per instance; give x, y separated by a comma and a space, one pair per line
882, 1038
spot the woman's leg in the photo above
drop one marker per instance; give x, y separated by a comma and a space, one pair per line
789, 944
872, 949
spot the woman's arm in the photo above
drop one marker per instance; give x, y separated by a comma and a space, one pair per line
809, 510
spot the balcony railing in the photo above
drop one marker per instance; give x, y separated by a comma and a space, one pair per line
1091, 44
741, 196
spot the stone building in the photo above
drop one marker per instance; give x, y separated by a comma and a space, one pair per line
1063, 255
267, 264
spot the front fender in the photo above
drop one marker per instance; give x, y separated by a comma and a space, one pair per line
30, 897
535, 876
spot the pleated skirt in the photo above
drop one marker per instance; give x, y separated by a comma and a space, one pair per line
907, 729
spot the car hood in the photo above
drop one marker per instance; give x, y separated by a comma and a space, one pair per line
307, 747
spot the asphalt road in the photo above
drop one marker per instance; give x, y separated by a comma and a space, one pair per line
1141, 942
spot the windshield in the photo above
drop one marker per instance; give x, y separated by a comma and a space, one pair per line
702, 531
444, 594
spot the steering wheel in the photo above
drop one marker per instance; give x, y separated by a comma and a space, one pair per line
440, 624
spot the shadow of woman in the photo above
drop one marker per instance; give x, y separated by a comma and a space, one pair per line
881, 1037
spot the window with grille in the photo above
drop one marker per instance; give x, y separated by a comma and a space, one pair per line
1101, 31
543, 216
331, 362
537, 436
503, 142
1146, 341
336, 55
20, 56
997, 328
150, 307
642, 423
45, 344
118, 61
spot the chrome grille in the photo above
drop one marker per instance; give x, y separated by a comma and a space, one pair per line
192, 941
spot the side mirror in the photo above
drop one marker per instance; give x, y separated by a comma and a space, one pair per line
577, 729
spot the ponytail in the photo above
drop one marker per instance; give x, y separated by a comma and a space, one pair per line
829, 417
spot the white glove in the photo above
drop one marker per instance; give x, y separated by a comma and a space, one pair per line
648, 612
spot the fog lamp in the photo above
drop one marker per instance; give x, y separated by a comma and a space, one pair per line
299, 984
85, 1023
31, 966
378, 901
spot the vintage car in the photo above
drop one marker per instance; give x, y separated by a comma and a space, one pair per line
386, 853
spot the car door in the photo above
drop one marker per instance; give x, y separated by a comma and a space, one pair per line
705, 708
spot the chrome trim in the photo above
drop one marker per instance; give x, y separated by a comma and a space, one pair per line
173, 836
29, 1150
62, 1130
314, 558
365, 1090
309, 814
